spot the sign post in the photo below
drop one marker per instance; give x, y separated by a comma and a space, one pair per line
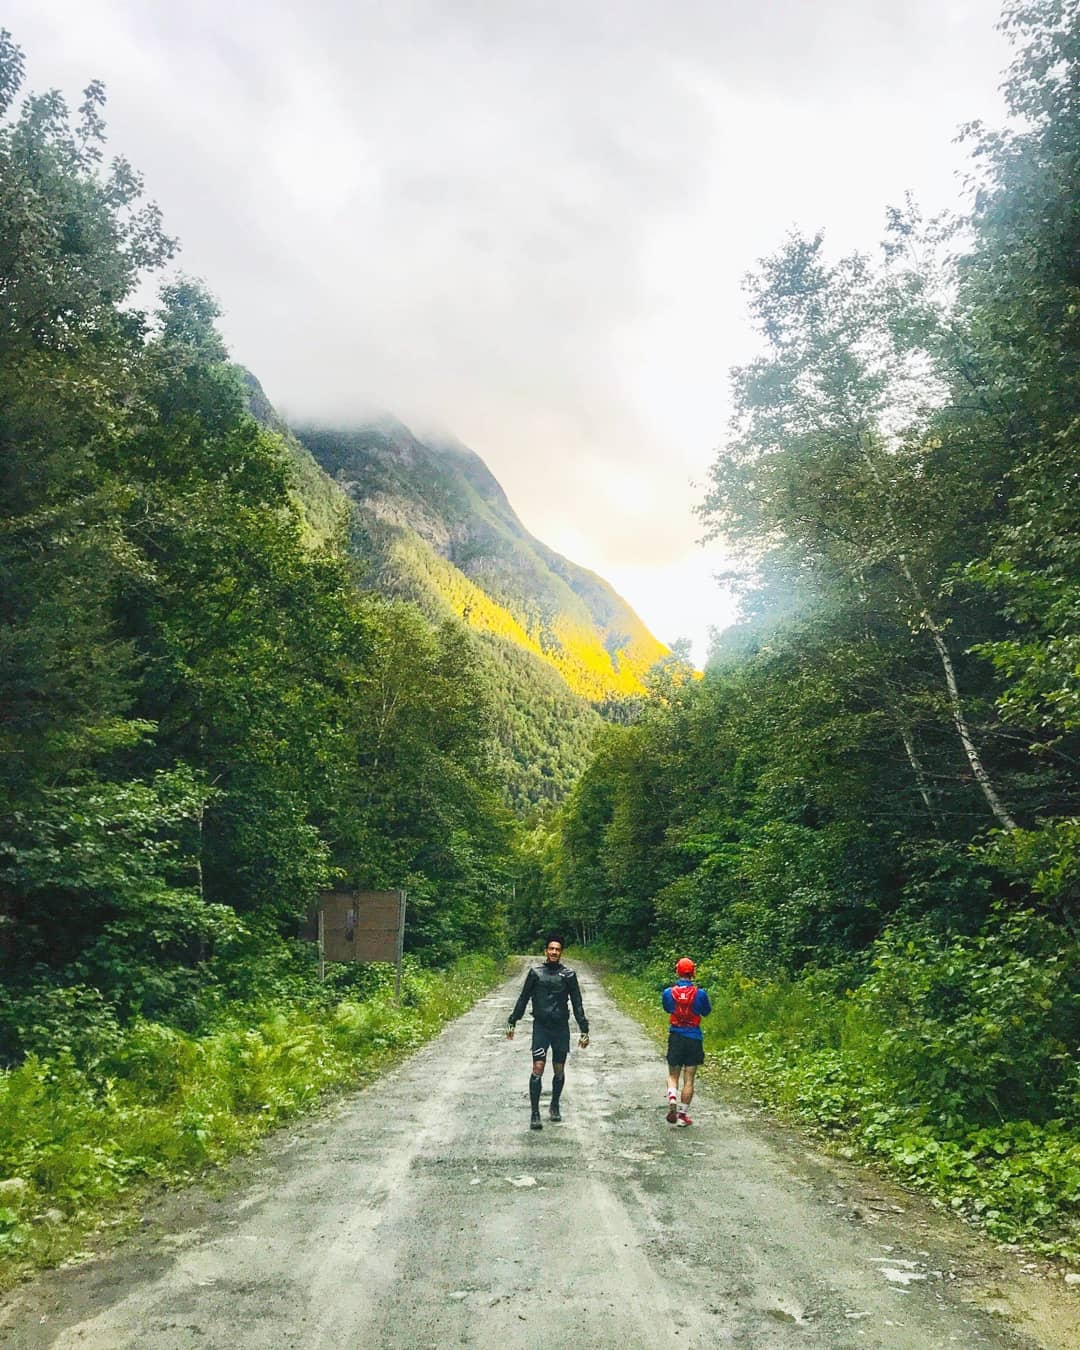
400, 946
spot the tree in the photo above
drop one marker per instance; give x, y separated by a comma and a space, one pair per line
833, 469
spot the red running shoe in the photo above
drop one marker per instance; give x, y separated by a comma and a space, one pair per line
672, 1110
684, 1119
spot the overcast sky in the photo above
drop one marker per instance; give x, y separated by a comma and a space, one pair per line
526, 221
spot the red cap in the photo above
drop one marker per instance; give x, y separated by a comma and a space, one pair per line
684, 966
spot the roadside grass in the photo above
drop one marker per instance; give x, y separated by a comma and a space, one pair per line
79, 1146
815, 1059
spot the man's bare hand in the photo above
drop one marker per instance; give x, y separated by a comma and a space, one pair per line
583, 1042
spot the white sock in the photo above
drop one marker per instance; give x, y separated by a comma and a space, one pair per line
672, 1095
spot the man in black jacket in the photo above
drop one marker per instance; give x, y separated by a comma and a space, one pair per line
550, 985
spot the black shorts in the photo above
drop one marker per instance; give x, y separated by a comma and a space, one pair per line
684, 1050
555, 1037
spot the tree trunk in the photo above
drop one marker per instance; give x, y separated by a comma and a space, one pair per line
199, 879
977, 767
983, 779
921, 781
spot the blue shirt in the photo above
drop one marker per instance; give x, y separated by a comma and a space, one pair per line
702, 1007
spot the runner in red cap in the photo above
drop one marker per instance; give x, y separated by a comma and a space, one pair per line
687, 1005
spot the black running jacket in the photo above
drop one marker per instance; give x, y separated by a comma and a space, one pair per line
550, 988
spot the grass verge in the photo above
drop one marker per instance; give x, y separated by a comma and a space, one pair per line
810, 1059
79, 1145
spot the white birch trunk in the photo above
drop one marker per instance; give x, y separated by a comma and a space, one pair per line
921, 781
974, 759
978, 769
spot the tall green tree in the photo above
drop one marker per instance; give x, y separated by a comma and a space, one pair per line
836, 468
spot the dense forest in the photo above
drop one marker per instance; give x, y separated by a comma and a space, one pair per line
204, 718
866, 813
542, 728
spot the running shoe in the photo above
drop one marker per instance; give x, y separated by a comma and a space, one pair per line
535, 1123
684, 1119
672, 1113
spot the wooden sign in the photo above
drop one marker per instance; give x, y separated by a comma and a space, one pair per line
363, 925
360, 926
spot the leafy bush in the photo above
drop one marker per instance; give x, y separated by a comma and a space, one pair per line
982, 1028
159, 1104
53, 1022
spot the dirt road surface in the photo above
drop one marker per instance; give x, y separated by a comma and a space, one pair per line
422, 1212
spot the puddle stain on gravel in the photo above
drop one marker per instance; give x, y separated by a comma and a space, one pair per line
895, 1276
779, 1315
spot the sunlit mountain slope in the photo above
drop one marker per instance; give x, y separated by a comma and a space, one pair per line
543, 728
435, 526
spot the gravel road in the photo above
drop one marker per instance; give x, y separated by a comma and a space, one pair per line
422, 1212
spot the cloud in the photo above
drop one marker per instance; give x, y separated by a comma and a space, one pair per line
523, 222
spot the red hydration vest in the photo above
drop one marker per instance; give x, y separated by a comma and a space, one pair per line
684, 1015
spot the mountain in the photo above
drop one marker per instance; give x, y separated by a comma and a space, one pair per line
321, 501
435, 526
431, 525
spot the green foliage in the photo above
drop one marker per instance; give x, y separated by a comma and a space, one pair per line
980, 1028
53, 1022
543, 731
867, 810
204, 721
102, 901
153, 1104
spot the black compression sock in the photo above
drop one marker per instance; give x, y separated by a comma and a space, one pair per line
534, 1090
556, 1088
